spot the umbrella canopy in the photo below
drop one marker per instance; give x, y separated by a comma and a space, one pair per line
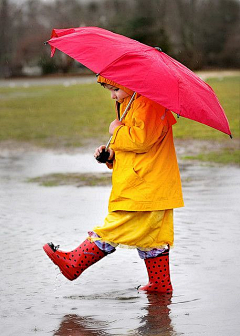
143, 69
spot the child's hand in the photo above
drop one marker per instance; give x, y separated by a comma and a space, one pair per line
115, 123
99, 150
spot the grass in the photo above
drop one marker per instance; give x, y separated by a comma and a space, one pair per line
225, 156
55, 115
87, 179
59, 116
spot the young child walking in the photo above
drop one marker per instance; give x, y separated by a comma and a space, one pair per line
146, 187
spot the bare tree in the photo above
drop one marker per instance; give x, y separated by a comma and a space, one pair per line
199, 33
4, 38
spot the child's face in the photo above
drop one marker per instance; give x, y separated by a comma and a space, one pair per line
116, 93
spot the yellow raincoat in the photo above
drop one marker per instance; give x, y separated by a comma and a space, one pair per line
145, 176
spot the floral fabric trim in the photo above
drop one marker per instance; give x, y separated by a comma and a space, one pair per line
108, 248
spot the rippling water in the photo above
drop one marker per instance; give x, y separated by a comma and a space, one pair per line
37, 300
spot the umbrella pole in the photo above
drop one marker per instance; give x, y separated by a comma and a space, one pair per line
123, 115
103, 157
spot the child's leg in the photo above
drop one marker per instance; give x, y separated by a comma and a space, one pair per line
106, 247
155, 252
157, 263
73, 263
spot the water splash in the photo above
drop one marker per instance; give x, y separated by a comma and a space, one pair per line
57, 284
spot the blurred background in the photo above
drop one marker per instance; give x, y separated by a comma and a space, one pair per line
52, 117
202, 34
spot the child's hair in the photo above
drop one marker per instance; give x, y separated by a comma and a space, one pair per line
102, 84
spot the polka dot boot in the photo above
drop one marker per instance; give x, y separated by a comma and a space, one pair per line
73, 263
158, 273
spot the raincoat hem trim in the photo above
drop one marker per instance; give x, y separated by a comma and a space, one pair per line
144, 206
115, 244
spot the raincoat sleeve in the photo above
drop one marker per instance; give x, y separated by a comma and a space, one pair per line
147, 125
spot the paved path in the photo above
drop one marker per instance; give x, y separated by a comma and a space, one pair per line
67, 81
27, 82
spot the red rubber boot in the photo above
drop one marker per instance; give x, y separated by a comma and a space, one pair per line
73, 263
158, 273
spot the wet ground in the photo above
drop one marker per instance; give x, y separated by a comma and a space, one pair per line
205, 264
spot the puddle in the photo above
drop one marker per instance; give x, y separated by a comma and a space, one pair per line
31, 164
104, 300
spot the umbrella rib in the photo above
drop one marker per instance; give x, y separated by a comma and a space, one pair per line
178, 79
123, 55
114, 61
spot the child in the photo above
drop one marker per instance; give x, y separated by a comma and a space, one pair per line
146, 186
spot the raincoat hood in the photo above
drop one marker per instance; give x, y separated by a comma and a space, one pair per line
101, 79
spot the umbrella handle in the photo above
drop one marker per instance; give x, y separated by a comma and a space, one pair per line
104, 155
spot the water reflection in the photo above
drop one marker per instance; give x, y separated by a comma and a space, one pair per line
157, 320
76, 325
154, 321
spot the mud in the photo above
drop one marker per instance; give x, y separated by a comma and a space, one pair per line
37, 300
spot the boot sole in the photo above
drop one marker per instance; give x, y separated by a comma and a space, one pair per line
51, 254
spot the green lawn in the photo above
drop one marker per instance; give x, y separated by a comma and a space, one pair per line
77, 179
52, 116
55, 115
224, 156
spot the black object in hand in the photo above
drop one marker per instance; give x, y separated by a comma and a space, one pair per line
103, 157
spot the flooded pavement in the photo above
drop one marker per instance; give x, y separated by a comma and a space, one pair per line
37, 300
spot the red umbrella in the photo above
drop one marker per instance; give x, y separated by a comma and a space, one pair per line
143, 69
